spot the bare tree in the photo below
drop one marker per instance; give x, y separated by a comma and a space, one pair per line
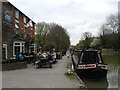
109, 32
110, 26
86, 35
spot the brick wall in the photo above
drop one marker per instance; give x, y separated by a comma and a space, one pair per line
21, 20
9, 30
14, 66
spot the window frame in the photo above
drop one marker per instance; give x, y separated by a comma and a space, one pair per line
34, 47
24, 20
6, 51
21, 44
17, 14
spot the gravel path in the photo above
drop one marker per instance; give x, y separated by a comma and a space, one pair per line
39, 78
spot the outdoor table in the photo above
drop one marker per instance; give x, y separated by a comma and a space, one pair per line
32, 58
29, 58
45, 61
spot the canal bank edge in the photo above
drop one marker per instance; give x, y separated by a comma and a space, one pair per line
69, 67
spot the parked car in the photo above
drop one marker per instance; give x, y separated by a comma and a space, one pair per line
89, 63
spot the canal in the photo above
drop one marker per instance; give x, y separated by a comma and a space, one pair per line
111, 59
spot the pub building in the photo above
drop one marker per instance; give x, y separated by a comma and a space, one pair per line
18, 31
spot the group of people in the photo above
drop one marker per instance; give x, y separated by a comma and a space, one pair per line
46, 54
41, 54
25, 57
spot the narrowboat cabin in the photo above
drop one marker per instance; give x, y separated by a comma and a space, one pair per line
89, 63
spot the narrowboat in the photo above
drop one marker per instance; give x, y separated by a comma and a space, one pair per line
89, 63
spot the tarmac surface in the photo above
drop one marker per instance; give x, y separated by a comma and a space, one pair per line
40, 78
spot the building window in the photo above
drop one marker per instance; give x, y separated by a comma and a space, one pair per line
16, 24
33, 48
25, 21
18, 47
31, 29
17, 14
25, 28
4, 51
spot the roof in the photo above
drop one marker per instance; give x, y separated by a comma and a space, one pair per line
88, 50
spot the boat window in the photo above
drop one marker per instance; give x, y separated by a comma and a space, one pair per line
100, 60
81, 58
75, 58
90, 57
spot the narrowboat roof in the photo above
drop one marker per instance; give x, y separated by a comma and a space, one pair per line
89, 50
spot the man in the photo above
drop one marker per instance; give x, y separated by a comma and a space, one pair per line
50, 59
21, 57
54, 56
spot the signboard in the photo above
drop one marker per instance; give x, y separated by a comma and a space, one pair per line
7, 17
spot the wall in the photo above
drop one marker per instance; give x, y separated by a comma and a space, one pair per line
8, 27
8, 31
14, 66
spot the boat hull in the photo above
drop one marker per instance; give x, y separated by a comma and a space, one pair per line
92, 73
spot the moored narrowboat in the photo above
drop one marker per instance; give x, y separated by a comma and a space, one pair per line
89, 63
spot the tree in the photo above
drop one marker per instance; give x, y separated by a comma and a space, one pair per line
96, 43
112, 23
58, 38
51, 35
87, 35
42, 30
109, 32
87, 39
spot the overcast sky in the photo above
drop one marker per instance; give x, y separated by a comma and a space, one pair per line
77, 16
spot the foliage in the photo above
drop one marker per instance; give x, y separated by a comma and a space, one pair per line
96, 43
109, 35
58, 38
41, 33
85, 43
52, 36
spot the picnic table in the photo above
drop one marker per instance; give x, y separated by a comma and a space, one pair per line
43, 62
30, 58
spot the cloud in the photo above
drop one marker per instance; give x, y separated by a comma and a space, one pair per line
77, 16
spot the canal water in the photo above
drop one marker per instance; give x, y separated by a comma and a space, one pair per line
111, 59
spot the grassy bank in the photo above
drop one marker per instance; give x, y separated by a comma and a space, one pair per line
70, 75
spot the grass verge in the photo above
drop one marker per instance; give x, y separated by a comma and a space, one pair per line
70, 75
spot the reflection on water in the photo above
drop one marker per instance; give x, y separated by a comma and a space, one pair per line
112, 77
101, 83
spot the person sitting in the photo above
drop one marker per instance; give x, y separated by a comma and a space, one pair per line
44, 55
21, 57
50, 59
54, 56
